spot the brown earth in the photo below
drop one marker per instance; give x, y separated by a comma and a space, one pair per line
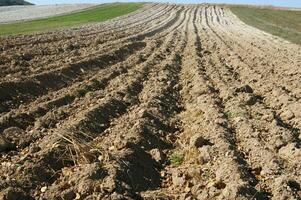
169, 102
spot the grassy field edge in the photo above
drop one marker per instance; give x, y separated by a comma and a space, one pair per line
283, 23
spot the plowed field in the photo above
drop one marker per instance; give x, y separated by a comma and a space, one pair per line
169, 102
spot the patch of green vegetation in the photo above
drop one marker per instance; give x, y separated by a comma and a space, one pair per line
176, 158
282, 23
96, 14
230, 114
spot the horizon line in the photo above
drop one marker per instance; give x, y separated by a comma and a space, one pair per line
235, 4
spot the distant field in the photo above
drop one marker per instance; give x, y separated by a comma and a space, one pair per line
282, 23
11, 14
96, 14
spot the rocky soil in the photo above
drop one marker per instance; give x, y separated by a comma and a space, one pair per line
170, 102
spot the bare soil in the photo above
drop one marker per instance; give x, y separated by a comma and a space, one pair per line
169, 102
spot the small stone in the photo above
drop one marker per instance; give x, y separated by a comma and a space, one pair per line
156, 154
77, 196
187, 189
43, 189
100, 158
287, 115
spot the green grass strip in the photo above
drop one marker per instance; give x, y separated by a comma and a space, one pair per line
96, 14
282, 23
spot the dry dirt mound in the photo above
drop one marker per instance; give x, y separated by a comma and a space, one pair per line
170, 102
